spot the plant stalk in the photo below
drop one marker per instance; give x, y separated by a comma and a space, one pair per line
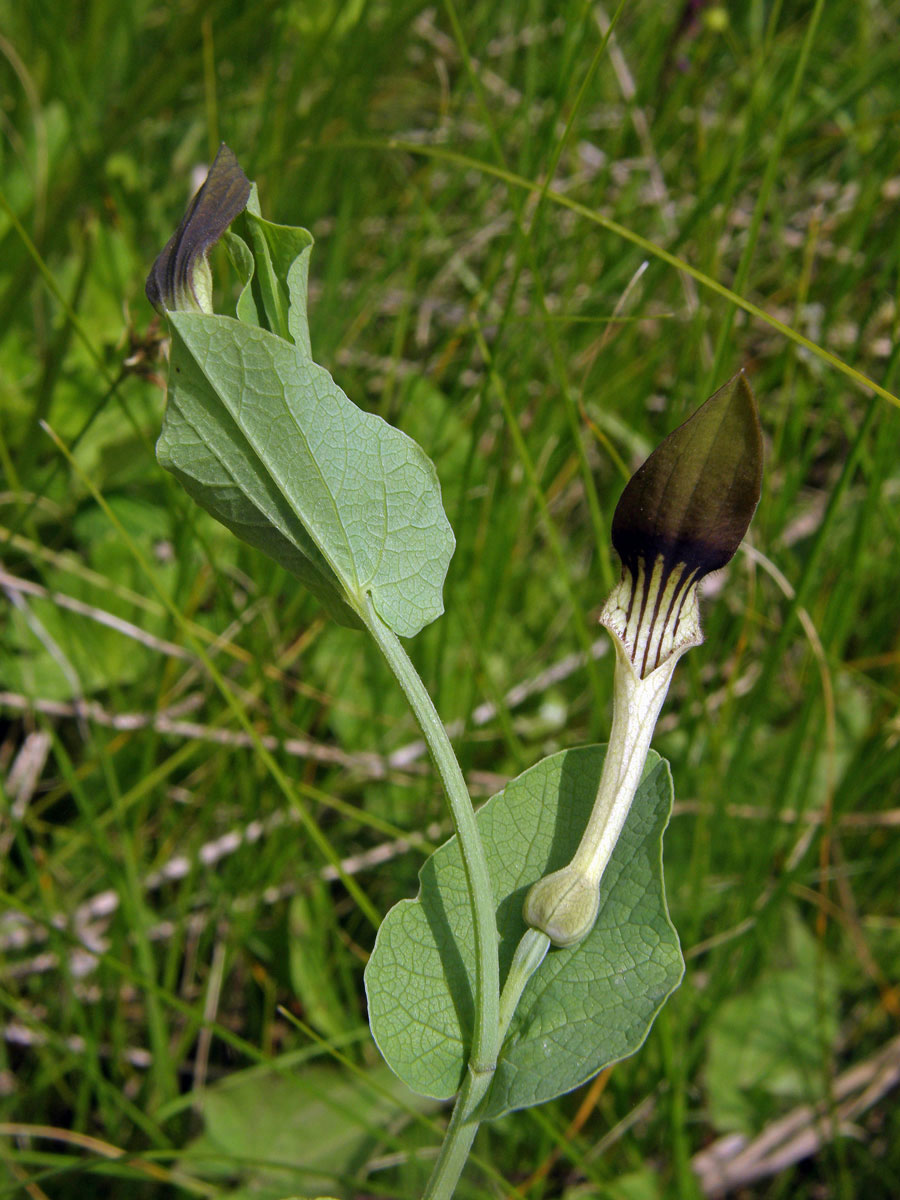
458, 1138
485, 1034
464, 1122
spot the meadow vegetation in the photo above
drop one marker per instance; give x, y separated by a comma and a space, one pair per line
544, 234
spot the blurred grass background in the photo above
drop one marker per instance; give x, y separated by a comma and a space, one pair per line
181, 994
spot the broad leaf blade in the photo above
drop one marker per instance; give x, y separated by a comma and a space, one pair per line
205, 451
765, 1044
588, 1005
278, 1132
358, 499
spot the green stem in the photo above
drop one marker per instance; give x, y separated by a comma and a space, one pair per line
464, 1123
485, 1035
458, 1139
529, 955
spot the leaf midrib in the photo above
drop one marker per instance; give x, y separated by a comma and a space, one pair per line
249, 499
352, 588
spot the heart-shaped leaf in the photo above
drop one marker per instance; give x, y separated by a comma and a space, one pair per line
587, 1005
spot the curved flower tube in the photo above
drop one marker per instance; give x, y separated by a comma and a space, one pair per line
681, 515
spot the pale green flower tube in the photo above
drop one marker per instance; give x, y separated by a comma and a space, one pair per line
682, 515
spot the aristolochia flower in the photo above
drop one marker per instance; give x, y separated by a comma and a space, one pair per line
682, 515
180, 278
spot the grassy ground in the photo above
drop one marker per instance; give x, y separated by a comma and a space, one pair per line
491, 188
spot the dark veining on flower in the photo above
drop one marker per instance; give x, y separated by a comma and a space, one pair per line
171, 283
683, 514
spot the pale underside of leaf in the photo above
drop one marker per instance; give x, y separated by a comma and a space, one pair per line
259, 434
252, 509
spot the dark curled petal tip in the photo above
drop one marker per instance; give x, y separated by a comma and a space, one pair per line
692, 500
222, 197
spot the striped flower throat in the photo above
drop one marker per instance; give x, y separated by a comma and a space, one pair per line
654, 612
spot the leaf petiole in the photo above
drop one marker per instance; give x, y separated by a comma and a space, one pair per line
485, 1034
